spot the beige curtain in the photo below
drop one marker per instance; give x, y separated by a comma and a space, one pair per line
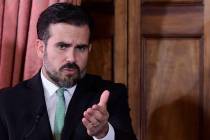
18, 59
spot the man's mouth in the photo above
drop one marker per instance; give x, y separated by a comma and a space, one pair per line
69, 71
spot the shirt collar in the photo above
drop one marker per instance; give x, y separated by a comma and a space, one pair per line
51, 88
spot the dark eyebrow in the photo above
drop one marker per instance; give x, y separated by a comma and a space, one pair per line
83, 45
63, 44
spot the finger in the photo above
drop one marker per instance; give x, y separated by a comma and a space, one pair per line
104, 98
97, 116
92, 115
85, 122
88, 114
102, 110
89, 126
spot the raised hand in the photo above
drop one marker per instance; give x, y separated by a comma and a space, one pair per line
96, 118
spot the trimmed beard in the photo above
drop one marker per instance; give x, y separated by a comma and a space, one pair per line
55, 76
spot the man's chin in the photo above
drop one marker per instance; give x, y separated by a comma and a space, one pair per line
69, 78
66, 82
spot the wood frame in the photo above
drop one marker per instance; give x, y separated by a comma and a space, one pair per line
134, 48
127, 58
120, 41
127, 53
206, 88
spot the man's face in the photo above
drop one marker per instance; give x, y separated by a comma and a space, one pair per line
65, 53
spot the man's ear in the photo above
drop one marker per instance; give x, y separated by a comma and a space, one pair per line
40, 48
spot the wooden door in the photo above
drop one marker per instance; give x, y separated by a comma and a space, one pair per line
174, 68
101, 57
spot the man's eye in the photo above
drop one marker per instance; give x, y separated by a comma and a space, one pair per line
82, 48
62, 46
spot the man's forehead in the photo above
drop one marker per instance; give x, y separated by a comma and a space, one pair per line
68, 29
67, 25
69, 34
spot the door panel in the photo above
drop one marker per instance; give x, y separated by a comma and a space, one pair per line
172, 70
100, 61
92, 1
172, 20
101, 57
172, 88
173, 1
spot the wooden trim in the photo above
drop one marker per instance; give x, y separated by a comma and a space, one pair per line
172, 35
120, 42
143, 96
201, 90
127, 54
206, 98
175, 22
134, 61
169, 3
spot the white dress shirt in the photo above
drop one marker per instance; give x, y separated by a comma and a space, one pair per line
50, 99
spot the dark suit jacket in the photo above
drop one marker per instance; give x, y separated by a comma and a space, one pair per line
23, 113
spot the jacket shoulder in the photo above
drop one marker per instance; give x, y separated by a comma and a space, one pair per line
98, 84
10, 90
102, 83
19, 92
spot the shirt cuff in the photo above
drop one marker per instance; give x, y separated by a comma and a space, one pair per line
109, 136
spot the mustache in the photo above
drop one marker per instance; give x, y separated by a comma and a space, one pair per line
70, 66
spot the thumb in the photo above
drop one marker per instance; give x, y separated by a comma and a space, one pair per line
104, 98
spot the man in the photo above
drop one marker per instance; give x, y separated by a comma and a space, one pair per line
62, 102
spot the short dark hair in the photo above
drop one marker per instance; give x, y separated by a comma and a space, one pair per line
62, 13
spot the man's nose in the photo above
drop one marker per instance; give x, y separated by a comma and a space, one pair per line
70, 56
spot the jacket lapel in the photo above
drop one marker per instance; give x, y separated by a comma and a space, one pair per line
39, 128
83, 98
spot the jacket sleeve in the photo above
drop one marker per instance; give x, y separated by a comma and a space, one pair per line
119, 114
